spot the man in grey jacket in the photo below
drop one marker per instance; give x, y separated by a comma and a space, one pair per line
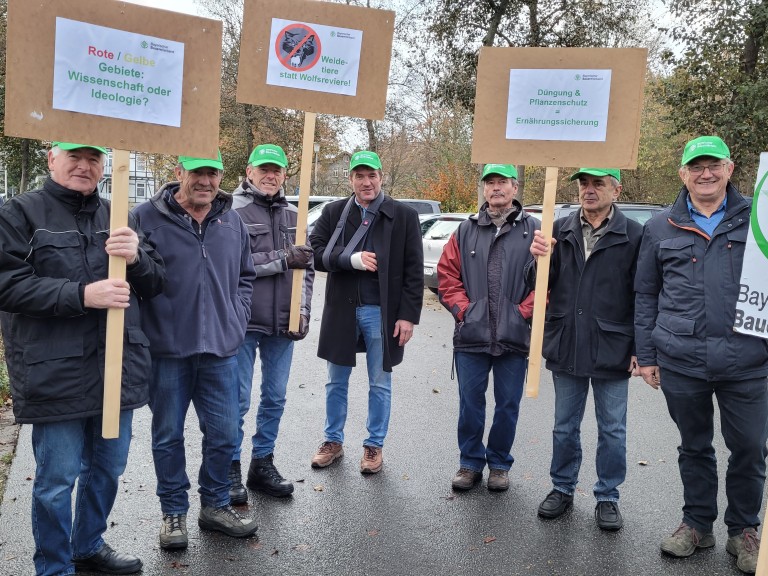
271, 223
687, 284
195, 328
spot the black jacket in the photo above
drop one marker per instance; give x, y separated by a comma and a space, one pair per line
589, 330
396, 237
480, 281
51, 246
686, 289
271, 225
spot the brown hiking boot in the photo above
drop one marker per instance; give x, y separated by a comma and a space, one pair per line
466, 479
372, 460
746, 548
498, 480
327, 454
685, 540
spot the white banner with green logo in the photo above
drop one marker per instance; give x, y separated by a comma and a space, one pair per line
752, 304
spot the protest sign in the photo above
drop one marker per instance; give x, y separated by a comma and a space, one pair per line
117, 75
557, 107
308, 55
113, 74
752, 303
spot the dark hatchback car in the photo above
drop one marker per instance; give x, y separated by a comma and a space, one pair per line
637, 211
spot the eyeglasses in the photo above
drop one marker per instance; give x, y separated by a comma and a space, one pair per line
714, 169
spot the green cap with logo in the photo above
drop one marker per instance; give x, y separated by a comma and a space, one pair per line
365, 158
73, 146
705, 146
597, 172
268, 154
191, 163
505, 170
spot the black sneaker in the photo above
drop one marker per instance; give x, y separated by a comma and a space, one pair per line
607, 515
264, 477
227, 520
555, 504
238, 495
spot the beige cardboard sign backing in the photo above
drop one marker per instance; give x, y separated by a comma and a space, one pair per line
626, 69
314, 50
29, 111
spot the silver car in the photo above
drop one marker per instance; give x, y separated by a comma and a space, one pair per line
434, 240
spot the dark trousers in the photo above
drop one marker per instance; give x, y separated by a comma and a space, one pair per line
744, 424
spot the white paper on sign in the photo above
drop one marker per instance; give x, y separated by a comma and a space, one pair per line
565, 105
314, 57
108, 72
752, 303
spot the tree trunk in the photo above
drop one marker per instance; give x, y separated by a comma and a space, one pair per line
24, 165
372, 141
521, 183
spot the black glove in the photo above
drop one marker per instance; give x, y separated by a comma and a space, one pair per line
299, 257
303, 329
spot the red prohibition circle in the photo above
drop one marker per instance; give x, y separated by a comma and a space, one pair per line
294, 59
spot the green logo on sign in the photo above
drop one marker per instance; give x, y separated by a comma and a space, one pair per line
760, 239
333, 34
578, 76
144, 44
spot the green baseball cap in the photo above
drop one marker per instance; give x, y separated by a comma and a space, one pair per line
191, 163
73, 146
705, 146
505, 170
268, 154
598, 172
365, 158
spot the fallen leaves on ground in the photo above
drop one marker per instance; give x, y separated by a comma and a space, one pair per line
489, 539
319, 488
643, 462
373, 532
301, 547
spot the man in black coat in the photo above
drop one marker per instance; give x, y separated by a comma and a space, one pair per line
370, 245
588, 338
55, 245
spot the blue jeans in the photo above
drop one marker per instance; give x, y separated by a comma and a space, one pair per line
210, 383
379, 384
611, 413
473, 369
65, 452
744, 424
275, 354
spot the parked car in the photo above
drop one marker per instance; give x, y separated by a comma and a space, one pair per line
434, 240
637, 211
422, 206
313, 200
426, 221
314, 214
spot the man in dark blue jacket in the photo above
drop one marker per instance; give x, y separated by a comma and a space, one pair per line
55, 245
588, 338
687, 285
195, 328
271, 224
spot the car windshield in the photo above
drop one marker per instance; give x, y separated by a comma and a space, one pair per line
442, 229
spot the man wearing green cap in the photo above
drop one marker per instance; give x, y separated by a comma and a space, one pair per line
687, 285
588, 338
55, 244
480, 282
271, 222
370, 245
195, 328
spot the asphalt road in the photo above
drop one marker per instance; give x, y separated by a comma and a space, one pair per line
405, 520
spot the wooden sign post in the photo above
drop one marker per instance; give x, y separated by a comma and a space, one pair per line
117, 75
557, 107
309, 55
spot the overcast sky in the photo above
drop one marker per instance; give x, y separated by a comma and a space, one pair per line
187, 6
